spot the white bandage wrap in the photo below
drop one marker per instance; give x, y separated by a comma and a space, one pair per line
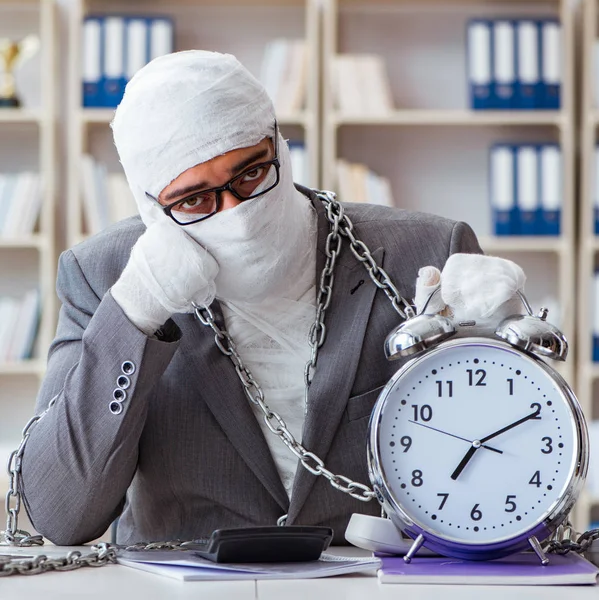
471, 287
166, 272
428, 299
184, 109
481, 288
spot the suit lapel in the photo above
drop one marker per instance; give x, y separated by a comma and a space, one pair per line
226, 399
346, 320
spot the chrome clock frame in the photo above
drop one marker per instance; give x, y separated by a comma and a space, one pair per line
543, 527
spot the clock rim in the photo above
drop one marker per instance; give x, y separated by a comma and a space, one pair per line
541, 528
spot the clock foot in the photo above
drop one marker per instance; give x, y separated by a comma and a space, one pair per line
414, 548
536, 546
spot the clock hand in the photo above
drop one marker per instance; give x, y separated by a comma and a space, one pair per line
455, 436
511, 426
476, 444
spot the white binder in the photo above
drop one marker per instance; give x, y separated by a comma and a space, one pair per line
504, 65
527, 199
161, 37
137, 46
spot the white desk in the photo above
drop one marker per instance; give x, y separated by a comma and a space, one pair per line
114, 582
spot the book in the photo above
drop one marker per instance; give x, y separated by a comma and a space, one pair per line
523, 568
188, 566
504, 66
502, 174
551, 64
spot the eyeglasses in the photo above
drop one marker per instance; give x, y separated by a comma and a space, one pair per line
203, 204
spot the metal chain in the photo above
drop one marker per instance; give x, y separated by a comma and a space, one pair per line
13, 535
339, 224
563, 542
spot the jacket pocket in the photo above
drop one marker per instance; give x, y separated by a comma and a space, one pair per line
362, 405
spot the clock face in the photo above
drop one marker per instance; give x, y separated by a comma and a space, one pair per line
476, 442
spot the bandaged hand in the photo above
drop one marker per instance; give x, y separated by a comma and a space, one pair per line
166, 272
471, 287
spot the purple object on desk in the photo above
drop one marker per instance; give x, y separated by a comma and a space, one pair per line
519, 569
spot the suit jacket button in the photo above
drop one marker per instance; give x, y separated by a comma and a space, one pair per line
128, 368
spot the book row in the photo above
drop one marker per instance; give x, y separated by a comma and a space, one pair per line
525, 189
514, 64
19, 320
20, 203
283, 73
357, 183
114, 48
107, 197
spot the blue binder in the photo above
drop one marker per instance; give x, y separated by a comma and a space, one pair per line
527, 190
479, 62
91, 33
502, 187
551, 63
114, 61
550, 188
504, 65
528, 65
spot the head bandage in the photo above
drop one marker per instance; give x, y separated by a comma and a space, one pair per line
186, 108
183, 109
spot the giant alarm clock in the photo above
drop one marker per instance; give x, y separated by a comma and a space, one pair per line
477, 447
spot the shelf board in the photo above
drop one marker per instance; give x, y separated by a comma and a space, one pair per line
20, 115
97, 115
105, 115
521, 243
453, 117
28, 241
23, 367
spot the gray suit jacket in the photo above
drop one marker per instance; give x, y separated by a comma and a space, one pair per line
187, 456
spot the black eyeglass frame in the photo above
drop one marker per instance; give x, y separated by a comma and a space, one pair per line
168, 209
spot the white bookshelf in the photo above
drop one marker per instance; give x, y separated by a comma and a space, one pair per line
432, 147
239, 27
588, 249
28, 141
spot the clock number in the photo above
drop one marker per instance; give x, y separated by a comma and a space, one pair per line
406, 442
440, 388
417, 478
444, 496
510, 383
537, 407
548, 448
475, 514
536, 479
425, 412
481, 373
509, 502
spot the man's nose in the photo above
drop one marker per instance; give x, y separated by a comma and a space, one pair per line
228, 200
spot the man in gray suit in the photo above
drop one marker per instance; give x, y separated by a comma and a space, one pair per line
147, 414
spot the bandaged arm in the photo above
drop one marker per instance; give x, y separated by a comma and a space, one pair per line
80, 457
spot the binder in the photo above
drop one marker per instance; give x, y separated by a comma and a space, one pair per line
92, 62
502, 188
136, 45
551, 188
161, 37
595, 309
114, 61
479, 58
527, 192
596, 194
527, 87
551, 64
504, 65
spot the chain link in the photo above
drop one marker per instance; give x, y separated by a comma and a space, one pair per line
101, 554
340, 225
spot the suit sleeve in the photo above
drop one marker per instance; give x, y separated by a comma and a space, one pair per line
81, 456
463, 240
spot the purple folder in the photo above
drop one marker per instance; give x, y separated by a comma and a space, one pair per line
519, 569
